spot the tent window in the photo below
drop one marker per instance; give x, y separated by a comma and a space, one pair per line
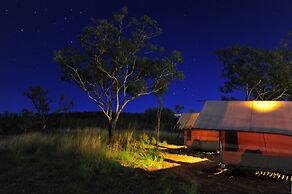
231, 141
189, 135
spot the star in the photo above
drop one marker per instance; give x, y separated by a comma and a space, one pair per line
71, 41
6, 11
35, 12
21, 30
80, 12
71, 9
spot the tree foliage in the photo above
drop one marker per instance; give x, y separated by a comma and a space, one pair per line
260, 74
118, 62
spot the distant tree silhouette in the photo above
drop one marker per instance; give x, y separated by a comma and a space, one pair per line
64, 104
64, 107
118, 62
178, 108
167, 121
41, 102
191, 110
286, 42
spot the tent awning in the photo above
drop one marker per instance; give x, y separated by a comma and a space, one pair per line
187, 120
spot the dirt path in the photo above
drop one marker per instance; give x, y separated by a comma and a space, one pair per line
204, 170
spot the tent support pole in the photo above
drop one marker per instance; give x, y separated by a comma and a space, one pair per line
220, 148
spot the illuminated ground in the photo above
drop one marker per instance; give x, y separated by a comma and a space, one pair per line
173, 159
203, 168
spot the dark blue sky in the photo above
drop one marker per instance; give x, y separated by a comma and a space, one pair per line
32, 29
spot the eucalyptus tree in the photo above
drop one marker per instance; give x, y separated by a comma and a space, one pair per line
118, 61
260, 74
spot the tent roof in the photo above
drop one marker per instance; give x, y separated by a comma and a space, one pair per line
187, 120
256, 116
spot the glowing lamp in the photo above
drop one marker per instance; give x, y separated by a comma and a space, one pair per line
264, 106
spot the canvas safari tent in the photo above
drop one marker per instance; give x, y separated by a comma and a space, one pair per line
251, 133
206, 140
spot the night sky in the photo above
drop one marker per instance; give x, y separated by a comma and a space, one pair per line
32, 29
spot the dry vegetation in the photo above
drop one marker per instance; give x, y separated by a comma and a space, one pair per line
83, 162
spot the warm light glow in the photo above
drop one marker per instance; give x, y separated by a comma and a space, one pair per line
174, 160
265, 106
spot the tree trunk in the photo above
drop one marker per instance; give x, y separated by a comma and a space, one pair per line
159, 111
112, 127
158, 126
43, 122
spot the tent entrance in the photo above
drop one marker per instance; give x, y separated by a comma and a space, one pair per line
231, 141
